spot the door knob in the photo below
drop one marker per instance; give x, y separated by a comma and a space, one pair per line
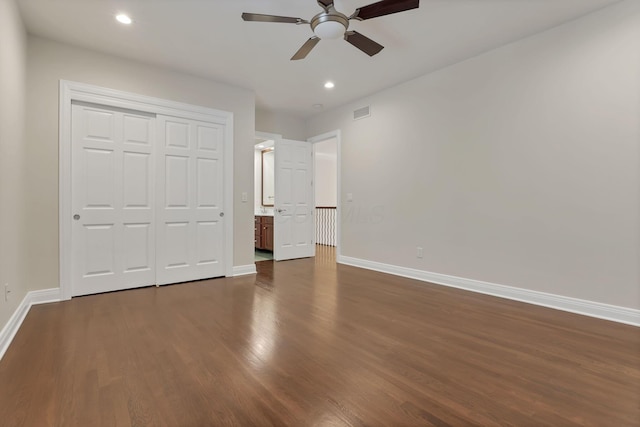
279, 210
221, 214
76, 217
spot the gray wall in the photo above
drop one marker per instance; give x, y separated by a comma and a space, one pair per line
325, 173
12, 158
48, 62
290, 127
518, 167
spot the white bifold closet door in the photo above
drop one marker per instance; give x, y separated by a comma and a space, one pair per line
147, 198
113, 234
190, 215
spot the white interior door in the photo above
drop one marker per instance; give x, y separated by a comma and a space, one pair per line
113, 236
294, 206
190, 195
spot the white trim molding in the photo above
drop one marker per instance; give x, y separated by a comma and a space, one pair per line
72, 91
243, 270
613, 313
15, 321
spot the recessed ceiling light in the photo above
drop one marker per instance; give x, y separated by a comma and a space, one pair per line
123, 19
329, 85
318, 106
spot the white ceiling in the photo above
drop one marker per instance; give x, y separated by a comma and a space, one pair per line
208, 38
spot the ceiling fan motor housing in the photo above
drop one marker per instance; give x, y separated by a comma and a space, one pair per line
330, 25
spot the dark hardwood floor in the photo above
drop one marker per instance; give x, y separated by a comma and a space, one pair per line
309, 343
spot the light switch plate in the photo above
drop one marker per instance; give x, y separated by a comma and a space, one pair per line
245, 197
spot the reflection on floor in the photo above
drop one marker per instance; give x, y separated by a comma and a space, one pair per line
310, 342
263, 255
323, 253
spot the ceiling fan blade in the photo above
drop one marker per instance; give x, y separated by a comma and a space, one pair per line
363, 43
306, 48
384, 7
325, 4
257, 17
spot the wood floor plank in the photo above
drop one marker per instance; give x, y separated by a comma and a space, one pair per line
312, 343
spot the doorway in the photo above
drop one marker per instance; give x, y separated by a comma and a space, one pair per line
264, 196
325, 156
327, 178
284, 199
326, 171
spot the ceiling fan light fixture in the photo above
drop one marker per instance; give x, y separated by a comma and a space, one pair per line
330, 30
331, 24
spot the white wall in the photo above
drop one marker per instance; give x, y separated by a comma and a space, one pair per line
12, 158
326, 172
518, 167
290, 127
48, 62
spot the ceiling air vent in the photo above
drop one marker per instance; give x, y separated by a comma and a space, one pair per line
361, 113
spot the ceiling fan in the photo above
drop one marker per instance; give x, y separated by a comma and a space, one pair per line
331, 24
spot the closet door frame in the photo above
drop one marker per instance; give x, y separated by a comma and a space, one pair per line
73, 91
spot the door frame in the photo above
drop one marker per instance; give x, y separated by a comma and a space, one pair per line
73, 91
337, 134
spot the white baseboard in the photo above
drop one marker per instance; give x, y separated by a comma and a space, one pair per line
614, 313
241, 270
15, 321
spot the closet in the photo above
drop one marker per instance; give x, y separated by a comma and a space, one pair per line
147, 198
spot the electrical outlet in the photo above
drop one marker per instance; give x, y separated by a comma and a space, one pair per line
419, 252
7, 291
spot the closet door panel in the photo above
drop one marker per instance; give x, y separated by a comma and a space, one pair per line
190, 207
112, 174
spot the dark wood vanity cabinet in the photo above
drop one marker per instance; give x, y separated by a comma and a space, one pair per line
263, 228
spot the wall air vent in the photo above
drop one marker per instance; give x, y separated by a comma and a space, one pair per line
361, 113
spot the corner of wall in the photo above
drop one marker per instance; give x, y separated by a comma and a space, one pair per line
12, 158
